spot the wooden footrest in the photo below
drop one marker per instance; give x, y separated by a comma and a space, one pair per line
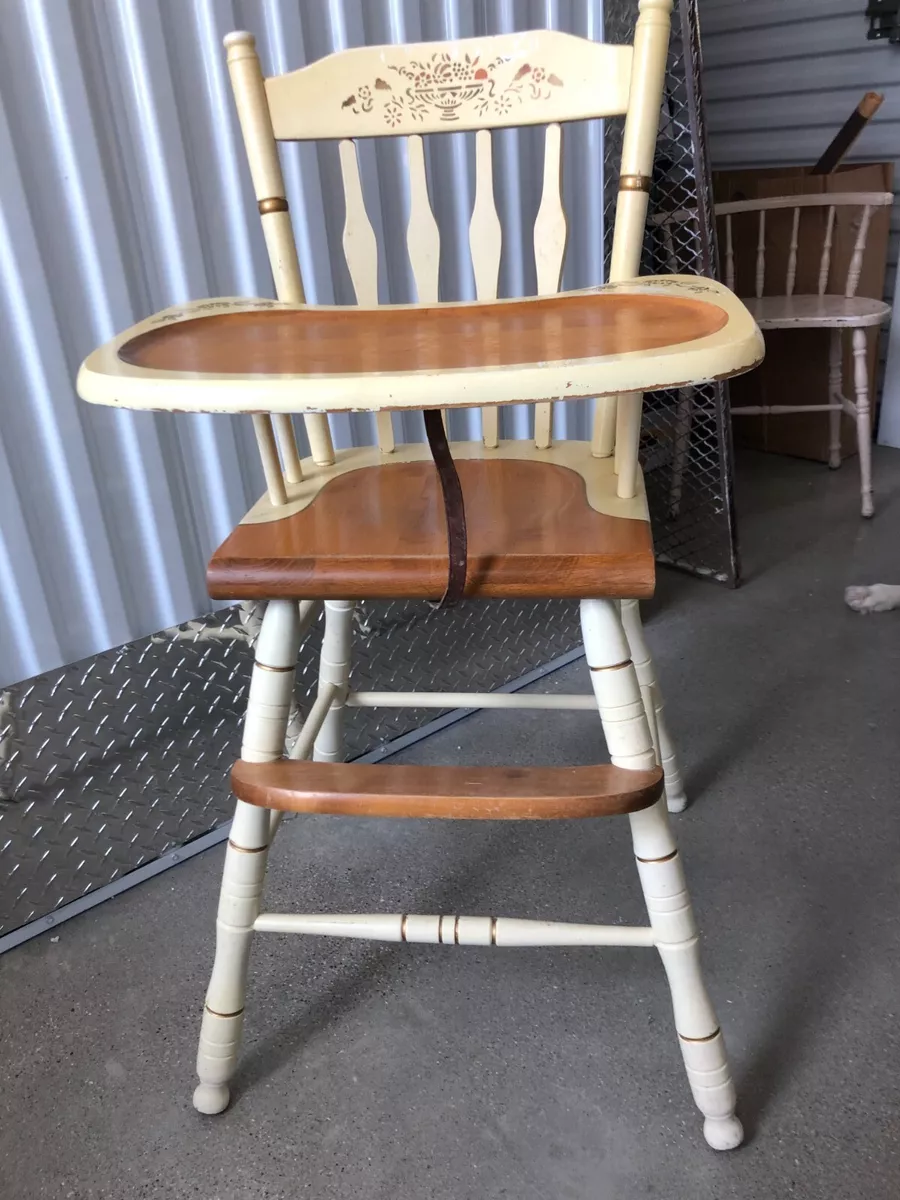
473, 793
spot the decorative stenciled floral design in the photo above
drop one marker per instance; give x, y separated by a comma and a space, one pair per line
451, 86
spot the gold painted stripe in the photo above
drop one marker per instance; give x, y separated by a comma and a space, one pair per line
456, 931
634, 183
246, 849
220, 1014
277, 670
403, 920
615, 666
493, 931
272, 204
665, 858
709, 1037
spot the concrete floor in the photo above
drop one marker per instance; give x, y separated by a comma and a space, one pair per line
410, 1073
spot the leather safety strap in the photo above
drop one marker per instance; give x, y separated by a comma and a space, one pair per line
454, 507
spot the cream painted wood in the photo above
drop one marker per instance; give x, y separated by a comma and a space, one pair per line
468, 700
327, 694
485, 245
654, 707
684, 417
737, 346
423, 238
761, 254
287, 442
651, 43
599, 479
271, 691
729, 254
628, 432
816, 312
603, 433
761, 410
836, 397
550, 231
334, 670
268, 453
863, 419
361, 254
825, 260
528, 78
268, 185
859, 249
622, 712
454, 930
792, 254
816, 200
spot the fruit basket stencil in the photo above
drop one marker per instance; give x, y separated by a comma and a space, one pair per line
451, 86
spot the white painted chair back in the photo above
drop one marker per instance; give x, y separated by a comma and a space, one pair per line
542, 77
865, 203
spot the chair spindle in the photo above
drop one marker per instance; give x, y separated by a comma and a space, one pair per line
485, 243
361, 254
550, 230
761, 254
825, 260
729, 253
859, 249
792, 254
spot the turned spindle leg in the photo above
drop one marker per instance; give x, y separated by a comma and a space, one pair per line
630, 745
334, 667
653, 705
835, 396
268, 710
863, 419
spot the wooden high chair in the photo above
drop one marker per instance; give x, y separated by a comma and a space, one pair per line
543, 519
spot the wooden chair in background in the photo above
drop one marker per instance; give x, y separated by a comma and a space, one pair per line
786, 309
545, 519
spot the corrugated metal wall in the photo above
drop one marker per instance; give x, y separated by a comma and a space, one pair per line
780, 78
123, 190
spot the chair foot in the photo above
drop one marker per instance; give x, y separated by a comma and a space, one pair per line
211, 1098
723, 1133
676, 801
868, 507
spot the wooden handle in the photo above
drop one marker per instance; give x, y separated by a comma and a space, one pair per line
870, 104
847, 134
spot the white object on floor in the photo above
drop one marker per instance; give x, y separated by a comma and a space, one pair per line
876, 597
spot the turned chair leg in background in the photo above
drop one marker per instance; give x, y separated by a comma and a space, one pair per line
653, 705
268, 710
334, 668
863, 419
682, 452
627, 732
835, 396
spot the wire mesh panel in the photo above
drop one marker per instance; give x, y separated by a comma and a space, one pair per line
686, 435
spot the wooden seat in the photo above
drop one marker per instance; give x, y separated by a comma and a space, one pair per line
816, 312
466, 793
380, 532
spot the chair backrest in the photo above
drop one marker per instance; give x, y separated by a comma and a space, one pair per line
859, 205
542, 77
